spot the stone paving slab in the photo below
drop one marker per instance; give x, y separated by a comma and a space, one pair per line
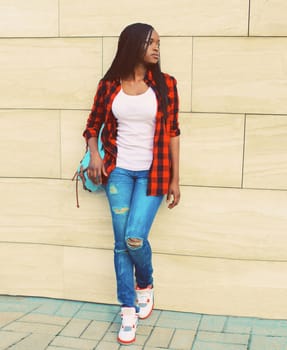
7, 317
96, 330
95, 315
11, 338
160, 337
46, 319
28, 323
58, 348
182, 339
33, 341
76, 343
224, 338
75, 328
217, 346
239, 325
212, 323
69, 308
181, 320
268, 343
28, 327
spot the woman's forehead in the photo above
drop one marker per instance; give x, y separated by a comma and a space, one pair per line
153, 35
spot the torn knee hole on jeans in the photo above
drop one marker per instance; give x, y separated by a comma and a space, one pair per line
134, 243
120, 210
113, 189
120, 251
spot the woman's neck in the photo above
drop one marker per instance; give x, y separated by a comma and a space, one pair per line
139, 73
135, 84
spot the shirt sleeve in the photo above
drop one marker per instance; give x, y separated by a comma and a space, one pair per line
97, 114
173, 107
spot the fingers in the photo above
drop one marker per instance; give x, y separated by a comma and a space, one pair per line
95, 176
172, 204
168, 197
175, 199
104, 170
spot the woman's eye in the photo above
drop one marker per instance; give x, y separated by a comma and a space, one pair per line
151, 42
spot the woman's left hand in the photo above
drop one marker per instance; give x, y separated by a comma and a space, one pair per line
173, 195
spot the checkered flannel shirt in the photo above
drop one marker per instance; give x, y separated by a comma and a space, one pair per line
101, 112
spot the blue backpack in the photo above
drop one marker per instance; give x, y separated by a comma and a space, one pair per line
81, 173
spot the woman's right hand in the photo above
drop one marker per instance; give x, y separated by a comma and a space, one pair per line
96, 168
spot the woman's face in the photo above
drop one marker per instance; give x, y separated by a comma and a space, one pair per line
152, 48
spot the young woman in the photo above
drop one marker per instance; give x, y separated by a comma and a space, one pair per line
138, 105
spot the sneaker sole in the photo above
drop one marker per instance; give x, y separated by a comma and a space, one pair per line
124, 342
147, 316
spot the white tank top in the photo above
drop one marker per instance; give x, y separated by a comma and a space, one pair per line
135, 115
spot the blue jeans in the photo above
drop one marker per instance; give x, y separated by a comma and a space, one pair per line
132, 213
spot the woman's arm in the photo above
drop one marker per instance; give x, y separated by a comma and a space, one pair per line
91, 133
96, 165
173, 195
97, 113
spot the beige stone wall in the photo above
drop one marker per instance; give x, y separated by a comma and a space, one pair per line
223, 250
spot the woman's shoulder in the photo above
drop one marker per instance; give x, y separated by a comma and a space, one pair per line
105, 85
169, 78
108, 82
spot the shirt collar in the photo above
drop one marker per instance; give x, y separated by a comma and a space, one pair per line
148, 78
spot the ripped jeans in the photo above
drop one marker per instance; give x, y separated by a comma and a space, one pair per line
132, 213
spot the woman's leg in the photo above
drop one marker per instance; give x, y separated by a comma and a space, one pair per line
119, 191
142, 212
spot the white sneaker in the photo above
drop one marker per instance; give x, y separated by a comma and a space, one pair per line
127, 333
144, 300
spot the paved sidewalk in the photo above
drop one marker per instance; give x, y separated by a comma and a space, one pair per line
28, 323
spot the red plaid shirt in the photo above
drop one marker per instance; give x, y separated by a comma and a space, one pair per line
159, 174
